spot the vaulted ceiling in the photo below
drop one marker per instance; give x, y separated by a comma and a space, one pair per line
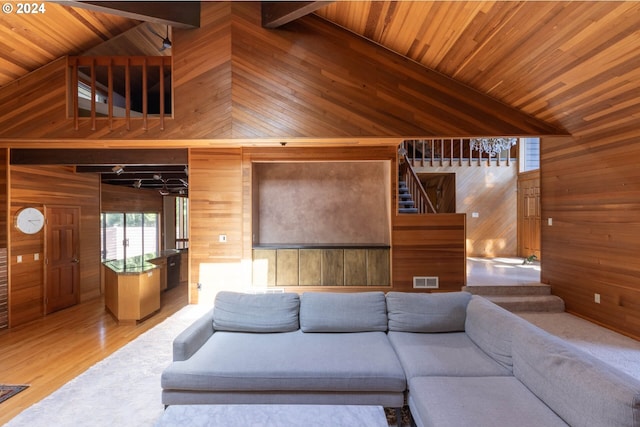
575, 65
563, 62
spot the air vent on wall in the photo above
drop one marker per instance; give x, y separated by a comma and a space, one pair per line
425, 282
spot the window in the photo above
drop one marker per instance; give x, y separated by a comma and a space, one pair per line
529, 154
129, 236
182, 223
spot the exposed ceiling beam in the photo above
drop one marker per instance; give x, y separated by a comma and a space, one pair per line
179, 14
134, 169
46, 156
277, 13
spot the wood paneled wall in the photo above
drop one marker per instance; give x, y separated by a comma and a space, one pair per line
216, 208
590, 188
235, 80
38, 186
428, 245
491, 191
117, 198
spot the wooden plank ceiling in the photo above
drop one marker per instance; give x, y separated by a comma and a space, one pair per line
571, 64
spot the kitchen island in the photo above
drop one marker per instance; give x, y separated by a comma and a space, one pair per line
132, 289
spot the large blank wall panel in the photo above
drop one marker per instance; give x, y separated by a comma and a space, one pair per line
322, 202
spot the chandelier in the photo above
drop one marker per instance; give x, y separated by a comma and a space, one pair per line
492, 146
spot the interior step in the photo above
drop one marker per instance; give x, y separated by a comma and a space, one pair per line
406, 203
526, 289
523, 304
407, 210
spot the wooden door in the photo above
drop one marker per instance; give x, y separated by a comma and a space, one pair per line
529, 214
62, 262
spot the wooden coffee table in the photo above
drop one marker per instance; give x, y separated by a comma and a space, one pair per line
273, 416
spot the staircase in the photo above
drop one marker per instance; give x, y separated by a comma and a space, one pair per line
405, 200
534, 297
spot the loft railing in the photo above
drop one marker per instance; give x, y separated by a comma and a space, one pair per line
451, 152
117, 83
420, 197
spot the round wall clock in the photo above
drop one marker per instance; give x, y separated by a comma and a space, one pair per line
29, 220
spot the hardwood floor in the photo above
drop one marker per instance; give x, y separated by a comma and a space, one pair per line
49, 352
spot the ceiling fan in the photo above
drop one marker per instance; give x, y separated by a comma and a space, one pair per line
166, 43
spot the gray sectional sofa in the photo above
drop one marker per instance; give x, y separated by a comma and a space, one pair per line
456, 359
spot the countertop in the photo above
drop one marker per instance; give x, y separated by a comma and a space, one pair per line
129, 266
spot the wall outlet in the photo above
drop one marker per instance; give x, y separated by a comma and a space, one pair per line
550, 221
596, 298
475, 215
222, 238
19, 258
36, 257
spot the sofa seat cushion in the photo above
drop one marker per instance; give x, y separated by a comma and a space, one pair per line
234, 361
450, 354
477, 401
582, 389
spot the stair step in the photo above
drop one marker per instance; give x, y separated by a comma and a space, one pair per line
536, 303
405, 195
406, 203
521, 290
408, 210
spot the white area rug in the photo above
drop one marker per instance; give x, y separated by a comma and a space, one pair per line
124, 389
121, 390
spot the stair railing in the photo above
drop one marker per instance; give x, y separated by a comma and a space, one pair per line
419, 194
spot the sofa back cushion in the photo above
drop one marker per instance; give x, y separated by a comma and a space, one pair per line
581, 389
343, 312
237, 312
490, 327
412, 312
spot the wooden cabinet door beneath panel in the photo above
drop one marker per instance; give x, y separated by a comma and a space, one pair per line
355, 267
287, 267
264, 267
378, 267
332, 267
310, 267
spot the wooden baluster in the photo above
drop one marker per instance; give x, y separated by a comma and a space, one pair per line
432, 143
75, 94
451, 152
413, 151
161, 95
127, 83
442, 152
145, 124
461, 146
93, 94
110, 93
